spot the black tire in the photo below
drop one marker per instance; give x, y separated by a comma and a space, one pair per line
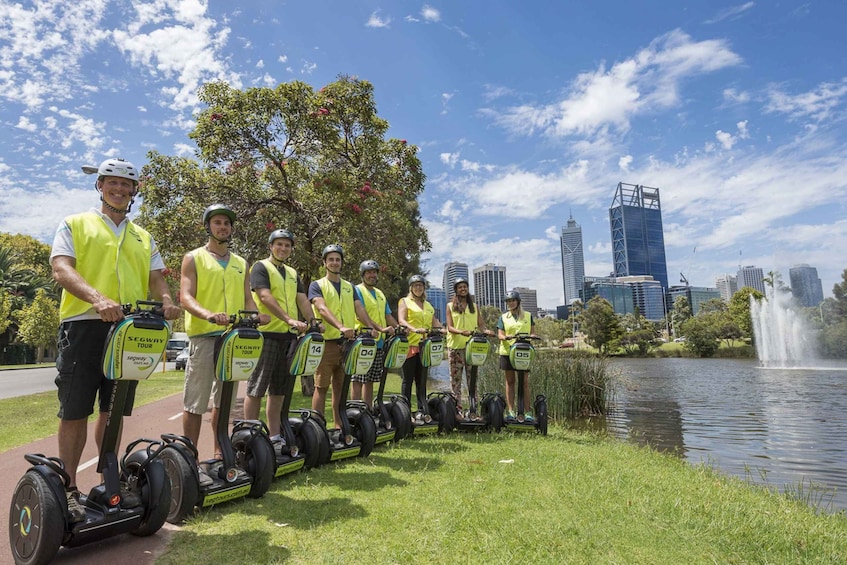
255, 454
36, 523
495, 413
444, 411
153, 481
184, 487
309, 443
400, 419
364, 428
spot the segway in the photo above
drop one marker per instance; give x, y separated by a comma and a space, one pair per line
304, 437
39, 520
521, 355
246, 467
393, 418
487, 413
437, 410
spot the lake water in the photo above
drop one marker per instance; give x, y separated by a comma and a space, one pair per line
775, 426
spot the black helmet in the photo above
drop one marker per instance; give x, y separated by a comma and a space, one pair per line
417, 279
281, 234
334, 248
369, 265
217, 209
513, 295
459, 281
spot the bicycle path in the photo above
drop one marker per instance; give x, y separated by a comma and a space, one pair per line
150, 421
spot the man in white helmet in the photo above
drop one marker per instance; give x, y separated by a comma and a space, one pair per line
101, 260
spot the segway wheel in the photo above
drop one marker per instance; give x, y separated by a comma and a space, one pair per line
364, 428
184, 488
401, 419
495, 414
309, 442
155, 491
444, 411
36, 524
255, 454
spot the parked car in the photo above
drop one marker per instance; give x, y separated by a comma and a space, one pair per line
178, 342
679, 340
181, 359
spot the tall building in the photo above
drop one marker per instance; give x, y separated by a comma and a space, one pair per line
573, 262
751, 276
638, 240
438, 298
695, 295
489, 284
452, 271
727, 285
647, 295
529, 299
618, 294
805, 285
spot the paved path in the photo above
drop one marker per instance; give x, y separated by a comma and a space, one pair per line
149, 421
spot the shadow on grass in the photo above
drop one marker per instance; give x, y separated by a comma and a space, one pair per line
254, 547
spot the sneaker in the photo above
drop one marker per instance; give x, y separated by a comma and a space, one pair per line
130, 498
74, 507
278, 445
205, 479
528, 417
510, 414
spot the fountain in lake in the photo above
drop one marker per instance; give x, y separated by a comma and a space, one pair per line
782, 336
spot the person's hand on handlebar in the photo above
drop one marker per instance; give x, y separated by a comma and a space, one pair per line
219, 318
264, 319
389, 330
171, 311
349, 333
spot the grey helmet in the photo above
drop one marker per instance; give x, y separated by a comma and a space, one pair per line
216, 209
417, 279
333, 248
281, 234
459, 281
368, 265
513, 295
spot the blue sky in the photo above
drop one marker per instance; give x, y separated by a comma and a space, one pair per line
523, 112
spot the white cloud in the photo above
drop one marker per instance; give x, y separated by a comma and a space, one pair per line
743, 133
430, 14
731, 95
308, 68
731, 13
624, 162
603, 99
25, 124
493, 92
727, 140
449, 159
282, 59
818, 104
260, 64
376, 21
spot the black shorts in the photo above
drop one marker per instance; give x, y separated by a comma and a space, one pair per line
506, 364
80, 365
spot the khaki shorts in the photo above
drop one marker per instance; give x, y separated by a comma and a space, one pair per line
200, 382
331, 367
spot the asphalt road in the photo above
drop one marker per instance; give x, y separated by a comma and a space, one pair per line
21, 382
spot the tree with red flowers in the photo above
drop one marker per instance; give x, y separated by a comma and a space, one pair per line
315, 162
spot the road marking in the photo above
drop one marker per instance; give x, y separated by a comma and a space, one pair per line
87, 464
175, 416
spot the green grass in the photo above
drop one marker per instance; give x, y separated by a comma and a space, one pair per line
28, 418
565, 498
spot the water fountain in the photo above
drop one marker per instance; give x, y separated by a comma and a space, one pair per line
783, 338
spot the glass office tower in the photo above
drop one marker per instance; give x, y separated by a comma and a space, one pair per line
573, 262
638, 240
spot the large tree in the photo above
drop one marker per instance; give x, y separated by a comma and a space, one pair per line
600, 324
739, 309
37, 323
317, 163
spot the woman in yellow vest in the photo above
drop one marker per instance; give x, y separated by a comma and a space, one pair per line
418, 315
513, 322
463, 317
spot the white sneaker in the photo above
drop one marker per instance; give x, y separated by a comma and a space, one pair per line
205, 479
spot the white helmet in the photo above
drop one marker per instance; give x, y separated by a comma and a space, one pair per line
118, 168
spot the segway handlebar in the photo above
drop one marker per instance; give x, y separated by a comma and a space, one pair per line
524, 337
155, 309
244, 319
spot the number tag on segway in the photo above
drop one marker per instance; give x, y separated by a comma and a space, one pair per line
360, 356
134, 350
476, 351
239, 354
396, 351
307, 355
432, 351
521, 356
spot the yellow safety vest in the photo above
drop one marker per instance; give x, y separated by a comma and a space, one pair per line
374, 306
512, 326
284, 291
418, 317
218, 289
342, 307
464, 321
117, 266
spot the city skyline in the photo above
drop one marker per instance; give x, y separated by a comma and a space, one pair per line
573, 260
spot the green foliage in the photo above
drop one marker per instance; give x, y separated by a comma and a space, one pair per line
600, 324
490, 315
553, 330
739, 309
5, 310
37, 322
639, 335
701, 337
29, 252
680, 312
839, 293
317, 163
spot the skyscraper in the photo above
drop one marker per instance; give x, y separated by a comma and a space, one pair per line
489, 283
438, 299
751, 276
638, 240
727, 285
805, 285
452, 271
573, 262
529, 299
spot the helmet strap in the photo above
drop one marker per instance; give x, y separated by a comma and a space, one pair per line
224, 241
